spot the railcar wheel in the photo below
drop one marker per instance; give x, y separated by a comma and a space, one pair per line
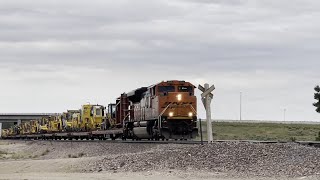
112, 137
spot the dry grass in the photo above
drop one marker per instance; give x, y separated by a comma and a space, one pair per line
263, 131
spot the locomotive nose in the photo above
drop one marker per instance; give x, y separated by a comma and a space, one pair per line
183, 105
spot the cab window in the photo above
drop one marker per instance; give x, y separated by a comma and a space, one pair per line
164, 89
98, 112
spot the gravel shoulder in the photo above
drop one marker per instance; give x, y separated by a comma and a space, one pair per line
94, 160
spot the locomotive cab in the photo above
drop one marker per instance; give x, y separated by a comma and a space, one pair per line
110, 120
177, 101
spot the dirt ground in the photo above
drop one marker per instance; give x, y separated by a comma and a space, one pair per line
19, 161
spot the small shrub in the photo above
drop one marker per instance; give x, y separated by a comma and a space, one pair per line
3, 152
46, 152
17, 156
81, 154
318, 138
72, 156
293, 139
77, 155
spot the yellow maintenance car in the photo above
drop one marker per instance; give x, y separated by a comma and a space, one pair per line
25, 128
34, 125
4, 133
92, 117
44, 125
70, 120
55, 124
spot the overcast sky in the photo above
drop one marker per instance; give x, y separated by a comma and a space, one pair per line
57, 55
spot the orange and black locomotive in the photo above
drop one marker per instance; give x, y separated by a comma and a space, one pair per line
167, 110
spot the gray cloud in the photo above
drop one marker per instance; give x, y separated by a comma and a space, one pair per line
59, 54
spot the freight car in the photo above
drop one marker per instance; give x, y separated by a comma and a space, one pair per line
167, 110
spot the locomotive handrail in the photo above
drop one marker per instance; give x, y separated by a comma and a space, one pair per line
192, 108
125, 118
159, 117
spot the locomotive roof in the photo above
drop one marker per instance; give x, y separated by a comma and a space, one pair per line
172, 82
135, 95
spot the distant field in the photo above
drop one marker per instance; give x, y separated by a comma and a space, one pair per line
263, 131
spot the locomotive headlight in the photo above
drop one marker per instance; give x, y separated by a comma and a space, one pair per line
179, 97
190, 114
170, 114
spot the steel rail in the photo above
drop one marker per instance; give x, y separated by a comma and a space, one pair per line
306, 143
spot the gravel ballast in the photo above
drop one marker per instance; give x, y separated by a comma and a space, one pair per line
275, 160
239, 159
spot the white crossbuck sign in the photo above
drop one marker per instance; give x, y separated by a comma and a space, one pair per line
207, 97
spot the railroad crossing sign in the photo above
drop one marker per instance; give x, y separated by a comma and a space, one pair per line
207, 97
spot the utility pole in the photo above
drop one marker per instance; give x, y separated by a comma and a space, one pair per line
207, 96
240, 106
284, 114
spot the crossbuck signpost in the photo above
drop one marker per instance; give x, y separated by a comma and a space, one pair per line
206, 97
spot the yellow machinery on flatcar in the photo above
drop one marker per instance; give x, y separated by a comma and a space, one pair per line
70, 120
25, 128
92, 117
76, 118
34, 125
43, 125
11, 131
55, 124
4, 133
111, 121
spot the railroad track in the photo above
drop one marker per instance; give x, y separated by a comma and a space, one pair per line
306, 143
